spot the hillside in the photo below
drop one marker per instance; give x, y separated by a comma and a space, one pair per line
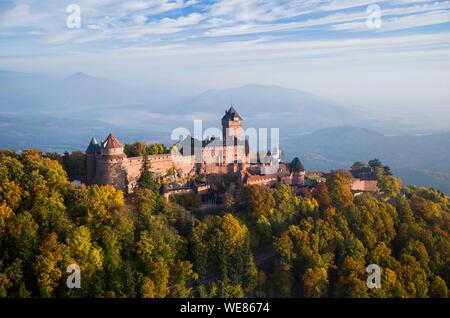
265, 243
422, 160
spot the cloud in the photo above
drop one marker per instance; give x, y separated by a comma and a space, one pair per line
20, 16
181, 40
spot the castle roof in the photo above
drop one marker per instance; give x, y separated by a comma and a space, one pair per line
296, 166
186, 143
111, 143
93, 146
231, 115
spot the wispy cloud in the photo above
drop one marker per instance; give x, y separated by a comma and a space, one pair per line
177, 39
147, 20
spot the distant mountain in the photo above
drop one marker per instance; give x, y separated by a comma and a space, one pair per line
83, 89
80, 76
31, 92
261, 105
422, 160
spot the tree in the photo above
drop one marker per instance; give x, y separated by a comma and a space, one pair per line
413, 277
75, 165
257, 201
147, 288
287, 205
229, 198
356, 168
12, 280
390, 186
138, 149
339, 188
146, 202
24, 233
49, 265
438, 288
387, 171
86, 255
375, 163
6, 214
315, 282
322, 196
187, 200
157, 149
221, 246
351, 281
182, 273
283, 266
146, 179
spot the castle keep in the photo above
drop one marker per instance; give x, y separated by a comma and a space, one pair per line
213, 158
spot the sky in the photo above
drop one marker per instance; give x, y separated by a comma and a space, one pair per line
383, 55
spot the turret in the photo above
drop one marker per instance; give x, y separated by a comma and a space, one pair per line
270, 164
92, 150
297, 172
110, 169
112, 147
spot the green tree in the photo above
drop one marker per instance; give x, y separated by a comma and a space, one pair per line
257, 201
138, 149
390, 186
339, 188
49, 265
351, 281
87, 255
157, 149
438, 288
146, 180
75, 165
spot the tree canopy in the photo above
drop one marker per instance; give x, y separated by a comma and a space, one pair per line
263, 243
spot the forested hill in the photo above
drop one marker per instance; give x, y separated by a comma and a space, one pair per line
264, 243
417, 159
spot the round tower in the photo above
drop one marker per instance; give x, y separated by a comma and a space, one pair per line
111, 168
112, 147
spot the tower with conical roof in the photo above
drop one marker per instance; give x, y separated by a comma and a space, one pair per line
297, 172
105, 162
112, 147
91, 161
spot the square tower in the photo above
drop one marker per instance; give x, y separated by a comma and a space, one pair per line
231, 126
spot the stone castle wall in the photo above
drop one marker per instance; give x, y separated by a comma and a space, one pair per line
124, 172
110, 172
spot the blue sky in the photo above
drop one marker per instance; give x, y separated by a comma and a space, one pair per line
323, 46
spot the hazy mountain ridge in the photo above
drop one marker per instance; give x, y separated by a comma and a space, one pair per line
33, 92
273, 106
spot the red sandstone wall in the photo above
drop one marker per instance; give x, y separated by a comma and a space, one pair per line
358, 185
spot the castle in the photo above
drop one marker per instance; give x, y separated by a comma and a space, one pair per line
212, 158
